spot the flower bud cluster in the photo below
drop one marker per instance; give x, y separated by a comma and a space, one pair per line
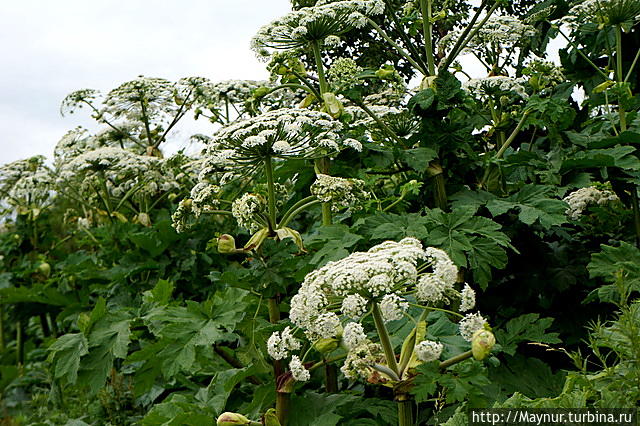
342, 193
579, 200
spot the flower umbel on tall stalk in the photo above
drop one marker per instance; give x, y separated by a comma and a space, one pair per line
334, 300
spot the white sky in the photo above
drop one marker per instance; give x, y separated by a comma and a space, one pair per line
51, 48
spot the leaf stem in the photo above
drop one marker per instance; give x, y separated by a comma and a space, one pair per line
385, 341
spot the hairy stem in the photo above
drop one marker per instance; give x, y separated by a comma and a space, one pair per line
405, 410
385, 341
268, 167
456, 359
425, 6
620, 74
319, 67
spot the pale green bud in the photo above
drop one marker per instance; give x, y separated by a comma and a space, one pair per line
232, 419
226, 244
481, 344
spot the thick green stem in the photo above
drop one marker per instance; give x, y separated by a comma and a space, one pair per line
620, 75
440, 192
285, 220
319, 67
396, 46
283, 401
513, 134
331, 378
274, 311
425, 5
19, 343
46, 331
405, 410
456, 359
385, 341
268, 167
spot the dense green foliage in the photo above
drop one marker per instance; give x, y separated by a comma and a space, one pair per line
139, 289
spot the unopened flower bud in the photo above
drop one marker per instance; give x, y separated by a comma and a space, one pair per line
44, 269
232, 419
481, 344
226, 244
326, 345
144, 219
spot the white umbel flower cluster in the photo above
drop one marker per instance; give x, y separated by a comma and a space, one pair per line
428, 350
369, 274
489, 86
26, 183
579, 200
298, 371
247, 208
434, 286
343, 73
280, 344
354, 306
314, 24
283, 133
120, 170
340, 192
393, 307
467, 298
353, 335
360, 360
505, 31
470, 324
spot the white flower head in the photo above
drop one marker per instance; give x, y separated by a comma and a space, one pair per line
470, 324
354, 306
279, 344
580, 199
428, 350
353, 335
392, 307
342, 193
298, 371
467, 298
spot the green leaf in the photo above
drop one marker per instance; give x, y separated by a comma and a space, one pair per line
418, 158
461, 234
387, 226
333, 242
65, 354
422, 100
525, 328
620, 156
613, 264
534, 204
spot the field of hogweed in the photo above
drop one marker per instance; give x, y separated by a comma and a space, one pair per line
374, 236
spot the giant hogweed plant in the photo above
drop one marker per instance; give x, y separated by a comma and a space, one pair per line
455, 165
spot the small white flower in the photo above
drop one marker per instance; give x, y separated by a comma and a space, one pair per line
298, 371
353, 335
354, 306
470, 324
428, 350
280, 147
279, 344
579, 200
467, 298
392, 307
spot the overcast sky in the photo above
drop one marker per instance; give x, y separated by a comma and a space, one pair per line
51, 48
